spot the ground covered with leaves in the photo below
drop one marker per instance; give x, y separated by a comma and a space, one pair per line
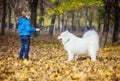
48, 62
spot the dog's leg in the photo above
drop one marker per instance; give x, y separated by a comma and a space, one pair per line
92, 55
70, 56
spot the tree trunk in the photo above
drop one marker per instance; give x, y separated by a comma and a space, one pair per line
58, 22
33, 7
14, 26
66, 22
119, 20
9, 16
3, 18
106, 25
73, 19
90, 18
51, 29
41, 20
86, 16
116, 21
52, 25
63, 22
99, 25
78, 20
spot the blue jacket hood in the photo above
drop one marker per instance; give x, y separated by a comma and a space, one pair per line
21, 20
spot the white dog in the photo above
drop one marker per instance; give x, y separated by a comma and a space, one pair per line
89, 43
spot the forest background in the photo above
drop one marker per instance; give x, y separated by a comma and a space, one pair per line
73, 15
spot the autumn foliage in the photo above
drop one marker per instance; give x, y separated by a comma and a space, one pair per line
48, 62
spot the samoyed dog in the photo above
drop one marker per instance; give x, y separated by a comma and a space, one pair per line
88, 43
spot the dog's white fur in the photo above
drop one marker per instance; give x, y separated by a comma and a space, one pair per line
89, 43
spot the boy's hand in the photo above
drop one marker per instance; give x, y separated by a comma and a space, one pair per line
37, 29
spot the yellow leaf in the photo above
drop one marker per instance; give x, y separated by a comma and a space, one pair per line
10, 59
32, 70
26, 62
75, 77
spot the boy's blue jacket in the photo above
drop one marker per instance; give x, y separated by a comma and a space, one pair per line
24, 26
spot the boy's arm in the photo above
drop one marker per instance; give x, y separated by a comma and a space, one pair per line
29, 27
20, 27
36, 29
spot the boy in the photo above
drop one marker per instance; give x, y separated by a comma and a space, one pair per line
25, 30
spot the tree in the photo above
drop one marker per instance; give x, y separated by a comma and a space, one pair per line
73, 20
3, 18
90, 19
14, 6
116, 21
33, 6
101, 15
53, 20
9, 14
52, 25
107, 7
41, 20
78, 20
66, 20
86, 15
58, 22
63, 22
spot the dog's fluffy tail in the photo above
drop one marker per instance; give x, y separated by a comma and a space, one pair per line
92, 37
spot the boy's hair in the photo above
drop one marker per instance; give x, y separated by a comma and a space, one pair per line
26, 13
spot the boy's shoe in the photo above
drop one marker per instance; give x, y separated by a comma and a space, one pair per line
26, 61
20, 58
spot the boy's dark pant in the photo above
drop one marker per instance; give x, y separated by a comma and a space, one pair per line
25, 44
